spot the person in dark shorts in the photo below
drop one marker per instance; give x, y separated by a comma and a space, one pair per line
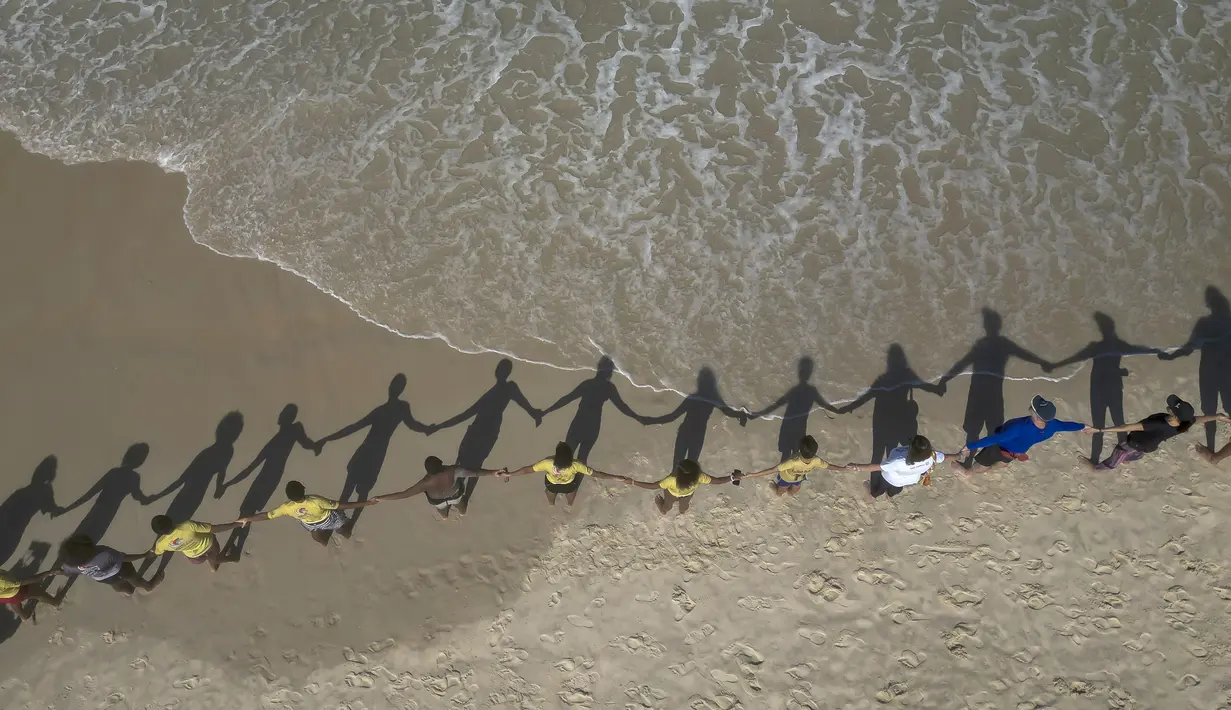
81, 556
1013, 439
790, 475
197, 541
905, 466
1144, 437
443, 486
680, 485
561, 474
317, 514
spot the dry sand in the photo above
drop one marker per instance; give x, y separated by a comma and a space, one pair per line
1043, 587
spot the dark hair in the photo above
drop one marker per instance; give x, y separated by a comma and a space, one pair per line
1185, 425
686, 473
807, 447
563, 457
295, 490
161, 524
76, 550
433, 464
920, 449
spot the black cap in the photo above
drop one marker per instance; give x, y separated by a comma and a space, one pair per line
1042, 407
1181, 409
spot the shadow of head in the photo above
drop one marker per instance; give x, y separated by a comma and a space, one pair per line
135, 455
229, 428
288, 415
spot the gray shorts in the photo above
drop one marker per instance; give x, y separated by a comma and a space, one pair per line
333, 521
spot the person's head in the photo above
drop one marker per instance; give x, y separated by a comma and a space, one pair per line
919, 449
161, 524
77, 550
433, 465
135, 455
397, 386
563, 458
45, 471
805, 368
1106, 326
605, 368
687, 472
807, 447
504, 368
288, 415
1041, 411
1182, 415
991, 321
295, 491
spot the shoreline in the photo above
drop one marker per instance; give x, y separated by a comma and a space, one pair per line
122, 330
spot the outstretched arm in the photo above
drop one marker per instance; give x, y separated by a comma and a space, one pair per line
88, 495
652, 486
357, 504
759, 474
771, 408
242, 522
862, 467
719, 480
346, 430
138, 556
1135, 426
563, 401
522, 402
414, 490
505, 473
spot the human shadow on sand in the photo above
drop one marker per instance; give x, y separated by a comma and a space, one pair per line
1211, 337
109, 493
988, 360
382, 423
796, 405
193, 484
695, 412
269, 465
1107, 373
487, 416
592, 396
19, 509
895, 414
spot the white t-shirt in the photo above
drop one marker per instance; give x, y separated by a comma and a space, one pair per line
897, 472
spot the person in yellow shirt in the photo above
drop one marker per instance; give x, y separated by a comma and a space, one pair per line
791, 474
678, 487
317, 514
196, 540
14, 591
561, 474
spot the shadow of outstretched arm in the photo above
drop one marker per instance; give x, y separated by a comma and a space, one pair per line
618, 401
347, 430
564, 401
85, 497
516, 396
668, 417
1027, 356
779, 404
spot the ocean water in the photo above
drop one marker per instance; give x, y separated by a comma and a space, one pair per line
732, 184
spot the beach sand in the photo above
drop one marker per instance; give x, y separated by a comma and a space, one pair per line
1040, 586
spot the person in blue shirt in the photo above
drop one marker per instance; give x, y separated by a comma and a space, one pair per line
1013, 439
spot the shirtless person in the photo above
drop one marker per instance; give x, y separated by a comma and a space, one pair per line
444, 486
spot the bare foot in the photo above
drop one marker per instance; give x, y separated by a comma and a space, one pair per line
461, 509
1204, 452
442, 514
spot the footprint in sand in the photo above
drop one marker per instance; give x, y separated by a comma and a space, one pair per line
879, 576
683, 603
382, 645
188, 683
364, 679
1059, 547
639, 644
815, 636
819, 584
580, 622
647, 598
575, 698
960, 597
891, 691
554, 599
698, 635
917, 523
644, 696
959, 637
911, 659
898, 613
800, 671
140, 664
743, 653
557, 637
724, 677
349, 654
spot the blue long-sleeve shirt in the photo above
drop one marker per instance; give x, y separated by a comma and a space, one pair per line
1017, 435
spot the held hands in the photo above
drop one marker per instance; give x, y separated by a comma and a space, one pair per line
317, 447
1090, 430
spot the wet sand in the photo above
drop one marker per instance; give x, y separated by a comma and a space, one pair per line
1044, 586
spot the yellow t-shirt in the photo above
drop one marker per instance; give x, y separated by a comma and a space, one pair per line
561, 476
796, 470
312, 509
189, 537
9, 587
672, 486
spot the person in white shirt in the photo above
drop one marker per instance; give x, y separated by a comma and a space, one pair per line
906, 466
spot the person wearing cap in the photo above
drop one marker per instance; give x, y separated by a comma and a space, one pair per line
1013, 439
1145, 436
